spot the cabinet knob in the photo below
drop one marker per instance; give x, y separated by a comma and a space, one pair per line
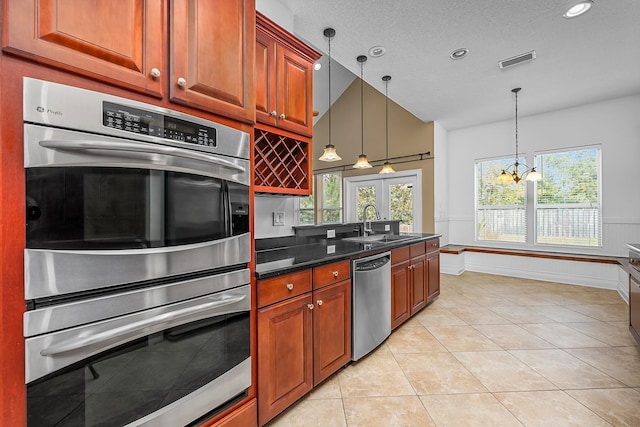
274, 113
282, 116
155, 73
310, 306
182, 82
335, 274
290, 286
319, 302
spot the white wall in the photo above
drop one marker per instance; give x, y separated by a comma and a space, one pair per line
264, 207
277, 12
441, 182
614, 124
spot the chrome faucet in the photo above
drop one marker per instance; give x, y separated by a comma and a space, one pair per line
368, 230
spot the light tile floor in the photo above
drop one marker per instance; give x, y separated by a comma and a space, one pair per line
491, 351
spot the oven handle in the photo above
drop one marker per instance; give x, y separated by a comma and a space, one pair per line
141, 147
123, 331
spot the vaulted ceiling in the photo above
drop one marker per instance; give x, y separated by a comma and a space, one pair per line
582, 60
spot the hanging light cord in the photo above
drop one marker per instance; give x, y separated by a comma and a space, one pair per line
386, 114
329, 90
362, 106
516, 125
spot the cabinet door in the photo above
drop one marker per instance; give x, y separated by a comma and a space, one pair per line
400, 294
118, 44
294, 76
418, 283
285, 364
265, 75
433, 276
634, 306
212, 56
331, 329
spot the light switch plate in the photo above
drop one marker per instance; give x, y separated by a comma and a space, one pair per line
387, 227
278, 218
331, 234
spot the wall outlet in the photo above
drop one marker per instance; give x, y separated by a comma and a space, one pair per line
278, 218
387, 227
331, 234
331, 249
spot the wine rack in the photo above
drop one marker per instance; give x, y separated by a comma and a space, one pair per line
282, 164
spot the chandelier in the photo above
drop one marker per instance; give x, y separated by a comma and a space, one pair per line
511, 172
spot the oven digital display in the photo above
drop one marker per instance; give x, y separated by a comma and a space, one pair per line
143, 122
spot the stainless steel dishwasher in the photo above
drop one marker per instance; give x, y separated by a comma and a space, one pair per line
371, 303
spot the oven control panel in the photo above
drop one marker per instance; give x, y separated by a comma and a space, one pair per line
143, 122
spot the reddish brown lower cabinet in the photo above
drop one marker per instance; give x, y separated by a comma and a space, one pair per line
285, 355
415, 279
244, 416
303, 338
331, 337
433, 275
634, 304
400, 309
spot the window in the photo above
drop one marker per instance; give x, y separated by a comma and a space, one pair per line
568, 198
564, 208
500, 208
324, 206
397, 197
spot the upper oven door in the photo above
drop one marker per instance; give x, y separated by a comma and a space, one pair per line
127, 211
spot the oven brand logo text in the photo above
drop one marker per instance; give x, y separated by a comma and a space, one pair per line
54, 112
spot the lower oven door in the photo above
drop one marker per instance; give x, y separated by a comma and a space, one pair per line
165, 366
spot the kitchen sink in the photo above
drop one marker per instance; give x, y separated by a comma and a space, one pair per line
379, 238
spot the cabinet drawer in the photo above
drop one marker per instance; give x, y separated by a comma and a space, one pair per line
400, 254
282, 287
331, 273
433, 245
417, 249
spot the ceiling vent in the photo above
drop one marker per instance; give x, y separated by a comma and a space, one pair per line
518, 59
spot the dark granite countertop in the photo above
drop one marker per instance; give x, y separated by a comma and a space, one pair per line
283, 255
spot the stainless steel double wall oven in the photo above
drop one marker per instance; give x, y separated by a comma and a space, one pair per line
136, 278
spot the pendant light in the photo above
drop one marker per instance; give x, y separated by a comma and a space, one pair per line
362, 162
330, 154
386, 168
511, 172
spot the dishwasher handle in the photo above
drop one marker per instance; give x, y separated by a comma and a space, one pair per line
372, 264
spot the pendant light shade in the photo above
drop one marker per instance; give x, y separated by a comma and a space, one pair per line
330, 154
511, 172
362, 162
386, 168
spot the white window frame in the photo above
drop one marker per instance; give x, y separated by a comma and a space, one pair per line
382, 183
531, 204
528, 201
534, 196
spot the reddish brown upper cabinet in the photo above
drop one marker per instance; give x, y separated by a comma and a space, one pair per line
122, 44
284, 78
212, 52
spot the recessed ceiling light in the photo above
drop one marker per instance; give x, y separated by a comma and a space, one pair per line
317, 66
377, 51
578, 9
459, 53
